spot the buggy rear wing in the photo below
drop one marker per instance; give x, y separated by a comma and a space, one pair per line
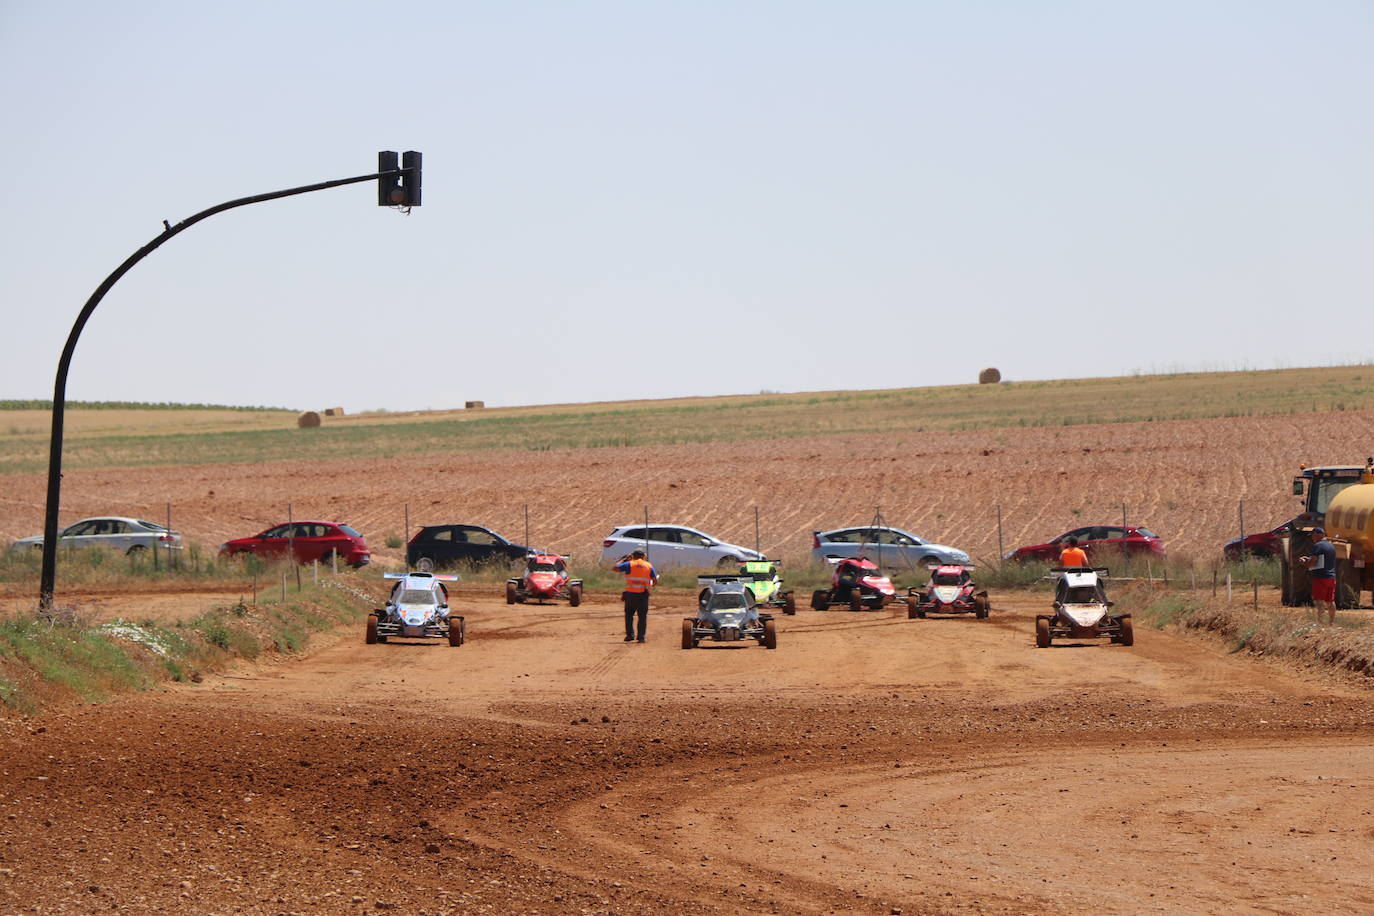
1081, 569
731, 577
427, 575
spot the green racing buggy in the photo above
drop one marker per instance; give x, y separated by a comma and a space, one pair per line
763, 578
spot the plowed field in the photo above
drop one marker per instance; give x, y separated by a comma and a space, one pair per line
1184, 479
871, 764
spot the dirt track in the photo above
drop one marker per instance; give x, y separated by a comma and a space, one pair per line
870, 764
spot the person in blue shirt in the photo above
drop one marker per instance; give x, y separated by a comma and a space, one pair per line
1322, 563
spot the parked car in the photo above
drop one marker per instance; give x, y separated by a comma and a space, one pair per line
130, 535
434, 546
888, 547
674, 545
1259, 544
307, 541
1100, 542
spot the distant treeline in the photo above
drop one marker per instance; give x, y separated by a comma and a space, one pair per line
125, 405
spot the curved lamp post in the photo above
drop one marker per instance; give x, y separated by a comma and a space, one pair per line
398, 185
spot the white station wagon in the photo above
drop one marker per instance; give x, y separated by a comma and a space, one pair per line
128, 535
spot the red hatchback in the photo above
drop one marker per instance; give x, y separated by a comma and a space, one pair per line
308, 541
1101, 542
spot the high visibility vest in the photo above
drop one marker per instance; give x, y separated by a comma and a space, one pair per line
639, 576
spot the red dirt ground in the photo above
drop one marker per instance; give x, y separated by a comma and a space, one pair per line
872, 764
1183, 479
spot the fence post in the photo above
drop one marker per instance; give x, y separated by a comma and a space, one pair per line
1228, 587
1001, 548
283, 587
1255, 584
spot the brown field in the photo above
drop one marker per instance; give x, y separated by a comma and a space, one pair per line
1182, 478
871, 764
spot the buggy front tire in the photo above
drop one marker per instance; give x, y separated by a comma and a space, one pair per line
1042, 633
789, 604
371, 636
913, 609
980, 606
574, 596
820, 599
457, 631
510, 593
770, 634
689, 639
1127, 637
856, 601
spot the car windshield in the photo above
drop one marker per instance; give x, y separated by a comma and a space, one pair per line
948, 579
1081, 594
416, 596
543, 567
730, 601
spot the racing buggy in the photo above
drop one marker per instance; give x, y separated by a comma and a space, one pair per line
546, 579
764, 582
855, 581
727, 612
417, 608
950, 591
1081, 609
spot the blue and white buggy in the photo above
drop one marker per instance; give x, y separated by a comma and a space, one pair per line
417, 609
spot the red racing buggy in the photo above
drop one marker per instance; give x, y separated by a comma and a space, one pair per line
950, 591
856, 581
546, 579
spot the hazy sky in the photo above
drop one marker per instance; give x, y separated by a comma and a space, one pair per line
645, 199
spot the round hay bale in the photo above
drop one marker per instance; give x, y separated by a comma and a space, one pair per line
989, 377
308, 420
475, 405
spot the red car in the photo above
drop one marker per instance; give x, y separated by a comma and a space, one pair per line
1259, 544
1101, 542
307, 541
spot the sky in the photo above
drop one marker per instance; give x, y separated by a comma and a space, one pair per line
664, 199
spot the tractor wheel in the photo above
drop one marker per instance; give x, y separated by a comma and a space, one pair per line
1285, 584
1042, 632
510, 593
789, 604
1127, 637
575, 596
980, 607
770, 634
371, 636
856, 601
457, 631
689, 639
820, 599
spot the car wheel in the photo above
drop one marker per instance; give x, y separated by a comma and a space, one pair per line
371, 636
789, 604
1127, 631
770, 634
327, 558
980, 606
930, 560
136, 550
856, 601
820, 599
574, 596
913, 608
424, 564
728, 563
510, 593
689, 640
1042, 632
457, 631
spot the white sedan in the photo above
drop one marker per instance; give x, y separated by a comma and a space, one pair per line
128, 535
674, 545
891, 548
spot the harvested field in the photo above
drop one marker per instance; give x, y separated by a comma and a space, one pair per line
1181, 478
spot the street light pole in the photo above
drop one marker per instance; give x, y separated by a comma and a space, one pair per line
397, 180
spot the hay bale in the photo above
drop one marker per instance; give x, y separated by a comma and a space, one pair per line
989, 377
475, 405
308, 420
333, 411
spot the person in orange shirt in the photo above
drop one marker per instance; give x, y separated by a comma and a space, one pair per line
1073, 555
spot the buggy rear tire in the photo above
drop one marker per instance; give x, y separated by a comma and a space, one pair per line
574, 596
457, 631
1127, 637
820, 600
689, 639
856, 601
1042, 633
510, 593
913, 608
789, 604
980, 607
371, 636
770, 634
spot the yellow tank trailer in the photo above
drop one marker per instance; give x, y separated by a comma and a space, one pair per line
1350, 526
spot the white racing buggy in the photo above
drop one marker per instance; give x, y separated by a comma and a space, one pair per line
417, 609
727, 612
1081, 609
